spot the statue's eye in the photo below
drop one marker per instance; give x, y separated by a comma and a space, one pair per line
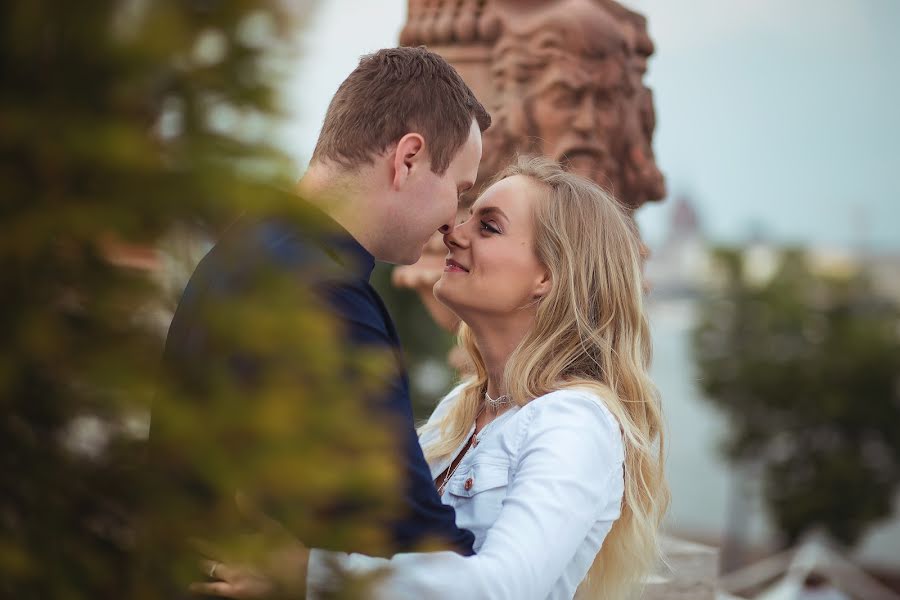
565, 98
603, 99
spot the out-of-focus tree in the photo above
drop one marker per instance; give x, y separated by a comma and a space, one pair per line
122, 121
426, 345
805, 363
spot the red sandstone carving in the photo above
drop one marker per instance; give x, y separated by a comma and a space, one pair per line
563, 78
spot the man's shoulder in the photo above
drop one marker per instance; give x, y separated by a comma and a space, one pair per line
251, 249
274, 242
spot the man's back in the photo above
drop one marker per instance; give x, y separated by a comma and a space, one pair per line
324, 265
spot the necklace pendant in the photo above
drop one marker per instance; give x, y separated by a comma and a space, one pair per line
497, 403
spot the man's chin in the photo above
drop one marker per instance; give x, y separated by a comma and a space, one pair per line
410, 257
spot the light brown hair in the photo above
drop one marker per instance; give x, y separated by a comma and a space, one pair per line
393, 92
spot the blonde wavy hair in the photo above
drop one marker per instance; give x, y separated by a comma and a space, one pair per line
590, 331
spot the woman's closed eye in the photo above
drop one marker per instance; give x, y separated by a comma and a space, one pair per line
485, 226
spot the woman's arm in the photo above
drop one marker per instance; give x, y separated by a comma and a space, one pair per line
569, 458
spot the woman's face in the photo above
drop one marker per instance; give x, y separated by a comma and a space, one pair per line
491, 267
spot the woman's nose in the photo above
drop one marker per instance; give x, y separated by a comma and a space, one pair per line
456, 237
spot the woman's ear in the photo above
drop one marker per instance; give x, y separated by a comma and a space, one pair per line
544, 285
409, 154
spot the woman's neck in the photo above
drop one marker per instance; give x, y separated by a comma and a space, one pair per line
496, 342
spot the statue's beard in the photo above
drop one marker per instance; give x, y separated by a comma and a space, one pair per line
588, 162
588, 159
592, 161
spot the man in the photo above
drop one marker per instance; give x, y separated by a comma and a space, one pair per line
400, 142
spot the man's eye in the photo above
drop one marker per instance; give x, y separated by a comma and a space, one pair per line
485, 226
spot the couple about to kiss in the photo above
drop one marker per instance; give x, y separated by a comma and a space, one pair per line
542, 471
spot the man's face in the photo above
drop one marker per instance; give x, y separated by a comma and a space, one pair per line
577, 115
432, 199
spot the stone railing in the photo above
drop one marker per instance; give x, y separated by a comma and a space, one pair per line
688, 572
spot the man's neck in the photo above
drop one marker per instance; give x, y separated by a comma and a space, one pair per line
340, 196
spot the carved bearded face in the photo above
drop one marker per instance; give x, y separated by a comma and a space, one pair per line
568, 85
577, 115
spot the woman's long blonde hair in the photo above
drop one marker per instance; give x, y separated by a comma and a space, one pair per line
590, 331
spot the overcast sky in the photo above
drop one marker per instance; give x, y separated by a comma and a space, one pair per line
776, 118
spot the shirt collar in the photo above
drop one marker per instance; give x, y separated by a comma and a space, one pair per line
342, 246
351, 253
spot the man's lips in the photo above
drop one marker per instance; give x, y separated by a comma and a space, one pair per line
452, 265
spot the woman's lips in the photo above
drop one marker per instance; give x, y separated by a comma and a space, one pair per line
454, 267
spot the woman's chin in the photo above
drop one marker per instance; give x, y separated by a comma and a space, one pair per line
443, 293
440, 292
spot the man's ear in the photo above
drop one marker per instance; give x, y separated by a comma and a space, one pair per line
408, 156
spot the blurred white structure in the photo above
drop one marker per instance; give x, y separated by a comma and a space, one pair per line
815, 570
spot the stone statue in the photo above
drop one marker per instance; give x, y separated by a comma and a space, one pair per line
563, 78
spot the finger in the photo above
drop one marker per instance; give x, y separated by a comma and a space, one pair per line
222, 589
210, 568
221, 571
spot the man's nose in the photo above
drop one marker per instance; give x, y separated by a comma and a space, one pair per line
450, 221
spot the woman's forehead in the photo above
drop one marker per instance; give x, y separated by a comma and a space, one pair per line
516, 190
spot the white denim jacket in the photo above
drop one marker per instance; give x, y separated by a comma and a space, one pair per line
540, 492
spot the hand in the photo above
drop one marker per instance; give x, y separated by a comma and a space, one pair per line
276, 571
234, 582
282, 574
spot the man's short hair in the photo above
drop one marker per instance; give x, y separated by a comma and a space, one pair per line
393, 92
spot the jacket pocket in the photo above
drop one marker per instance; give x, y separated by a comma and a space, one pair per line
478, 478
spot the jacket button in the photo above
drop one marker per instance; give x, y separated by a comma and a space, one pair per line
468, 484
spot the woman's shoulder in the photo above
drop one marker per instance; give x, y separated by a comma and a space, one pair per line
440, 410
574, 401
429, 431
447, 402
580, 411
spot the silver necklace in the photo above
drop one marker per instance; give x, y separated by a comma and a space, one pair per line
497, 403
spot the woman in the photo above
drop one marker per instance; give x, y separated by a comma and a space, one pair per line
551, 453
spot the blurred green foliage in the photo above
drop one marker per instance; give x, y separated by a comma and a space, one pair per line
122, 121
805, 363
426, 346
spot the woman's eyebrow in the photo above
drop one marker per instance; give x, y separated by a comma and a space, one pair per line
489, 209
